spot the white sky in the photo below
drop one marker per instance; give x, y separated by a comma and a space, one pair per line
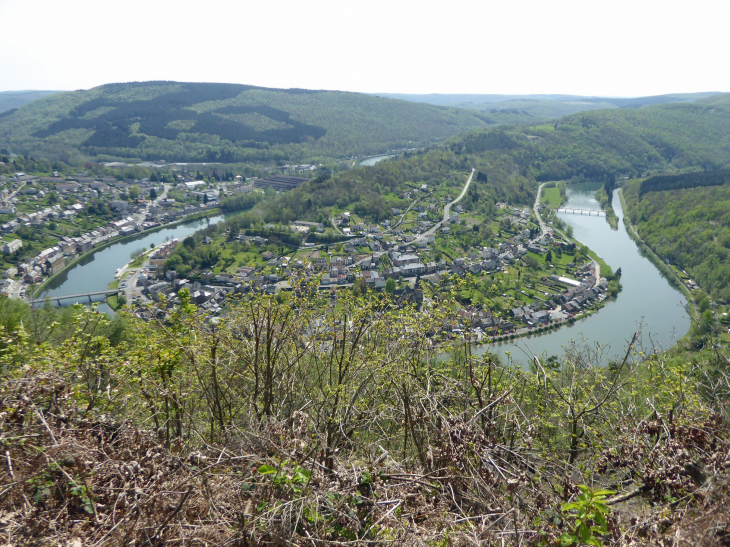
586, 47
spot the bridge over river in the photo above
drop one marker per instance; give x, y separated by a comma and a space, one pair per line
588, 212
89, 294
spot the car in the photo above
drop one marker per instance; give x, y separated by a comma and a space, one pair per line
124, 284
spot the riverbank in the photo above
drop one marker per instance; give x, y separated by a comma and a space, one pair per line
656, 260
191, 218
648, 303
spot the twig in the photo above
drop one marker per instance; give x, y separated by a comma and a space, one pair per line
627, 496
169, 517
43, 421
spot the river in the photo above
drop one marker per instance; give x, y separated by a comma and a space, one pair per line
374, 160
647, 300
96, 271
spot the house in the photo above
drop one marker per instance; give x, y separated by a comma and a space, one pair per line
410, 270
119, 205
488, 253
194, 184
409, 295
403, 259
490, 264
12, 246
537, 317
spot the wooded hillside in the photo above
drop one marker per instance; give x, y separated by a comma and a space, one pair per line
223, 122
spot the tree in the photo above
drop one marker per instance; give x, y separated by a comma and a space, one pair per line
390, 285
549, 256
153, 194
134, 192
205, 198
531, 262
121, 300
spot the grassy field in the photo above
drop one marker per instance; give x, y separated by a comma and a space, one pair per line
551, 196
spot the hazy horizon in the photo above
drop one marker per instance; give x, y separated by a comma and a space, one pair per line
523, 47
425, 94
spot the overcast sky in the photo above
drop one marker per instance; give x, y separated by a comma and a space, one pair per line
586, 47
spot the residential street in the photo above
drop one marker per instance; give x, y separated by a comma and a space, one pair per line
447, 211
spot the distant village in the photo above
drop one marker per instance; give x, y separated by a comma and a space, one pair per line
130, 216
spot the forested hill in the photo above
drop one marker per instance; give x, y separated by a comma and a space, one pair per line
223, 122
518, 109
618, 142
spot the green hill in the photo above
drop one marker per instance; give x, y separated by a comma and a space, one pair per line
528, 109
223, 122
619, 141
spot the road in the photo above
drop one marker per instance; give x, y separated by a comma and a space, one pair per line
447, 211
332, 220
543, 228
402, 216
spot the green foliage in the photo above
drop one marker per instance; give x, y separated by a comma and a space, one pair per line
223, 123
589, 514
601, 144
296, 480
689, 228
685, 180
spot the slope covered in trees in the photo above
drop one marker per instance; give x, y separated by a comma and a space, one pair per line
223, 122
628, 142
685, 180
531, 109
689, 227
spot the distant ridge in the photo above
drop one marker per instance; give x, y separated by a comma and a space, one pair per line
15, 99
179, 121
543, 106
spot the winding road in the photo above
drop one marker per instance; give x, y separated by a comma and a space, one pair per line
447, 211
543, 228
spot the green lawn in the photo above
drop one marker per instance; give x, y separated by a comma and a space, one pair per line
551, 196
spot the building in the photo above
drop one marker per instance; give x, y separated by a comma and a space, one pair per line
55, 263
194, 184
12, 246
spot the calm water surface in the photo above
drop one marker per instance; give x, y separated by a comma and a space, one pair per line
647, 300
375, 159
